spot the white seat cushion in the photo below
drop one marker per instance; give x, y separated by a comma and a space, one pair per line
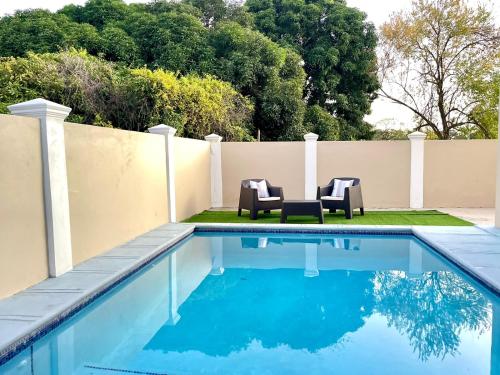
330, 198
261, 187
339, 187
269, 199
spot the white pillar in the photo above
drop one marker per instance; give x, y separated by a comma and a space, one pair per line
311, 165
311, 255
417, 169
497, 204
215, 168
55, 180
168, 132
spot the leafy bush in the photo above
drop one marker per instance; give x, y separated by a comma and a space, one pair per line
105, 94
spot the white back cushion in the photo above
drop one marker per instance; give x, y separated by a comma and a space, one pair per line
339, 187
261, 187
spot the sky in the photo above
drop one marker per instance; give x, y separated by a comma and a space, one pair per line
377, 11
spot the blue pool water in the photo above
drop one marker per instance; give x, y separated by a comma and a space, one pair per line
247, 303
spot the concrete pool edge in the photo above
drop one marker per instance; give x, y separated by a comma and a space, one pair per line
451, 242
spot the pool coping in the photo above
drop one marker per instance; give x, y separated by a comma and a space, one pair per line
108, 269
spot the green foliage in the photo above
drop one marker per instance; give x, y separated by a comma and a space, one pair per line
117, 45
391, 135
261, 69
42, 31
74, 79
97, 12
338, 49
482, 83
218, 39
102, 93
173, 41
212, 10
318, 120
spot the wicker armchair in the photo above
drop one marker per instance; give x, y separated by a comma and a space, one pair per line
249, 199
352, 200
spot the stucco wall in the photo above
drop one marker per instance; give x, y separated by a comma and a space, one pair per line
117, 186
383, 167
460, 173
192, 176
23, 251
282, 163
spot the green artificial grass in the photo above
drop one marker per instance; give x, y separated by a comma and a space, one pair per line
428, 217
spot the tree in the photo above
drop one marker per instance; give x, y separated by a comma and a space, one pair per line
433, 58
97, 12
172, 41
337, 46
262, 70
319, 121
482, 83
212, 10
42, 31
117, 45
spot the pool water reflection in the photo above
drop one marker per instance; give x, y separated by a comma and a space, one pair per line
241, 303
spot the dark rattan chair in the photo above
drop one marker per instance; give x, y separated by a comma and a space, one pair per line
249, 199
353, 198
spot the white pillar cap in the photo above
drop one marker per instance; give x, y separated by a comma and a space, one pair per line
417, 135
40, 108
162, 129
213, 138
311, 137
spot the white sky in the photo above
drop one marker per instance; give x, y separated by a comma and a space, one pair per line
377, 11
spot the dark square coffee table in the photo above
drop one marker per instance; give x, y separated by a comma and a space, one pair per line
313, 208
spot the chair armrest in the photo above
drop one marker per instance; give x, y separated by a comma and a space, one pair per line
276, 191
353, 196
248, 195
323, 191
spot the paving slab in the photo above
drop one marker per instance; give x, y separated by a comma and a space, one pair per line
474, 249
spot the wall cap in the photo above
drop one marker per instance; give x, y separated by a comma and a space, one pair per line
40, 108
311, 137
417, 136
162, 129
213, 138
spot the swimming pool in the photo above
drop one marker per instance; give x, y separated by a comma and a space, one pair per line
281, 303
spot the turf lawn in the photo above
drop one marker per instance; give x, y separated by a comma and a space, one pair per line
428, 217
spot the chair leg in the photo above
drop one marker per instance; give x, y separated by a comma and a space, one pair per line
267, 211
332, 210
253, 214
362, 211
348, 214
239, 211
